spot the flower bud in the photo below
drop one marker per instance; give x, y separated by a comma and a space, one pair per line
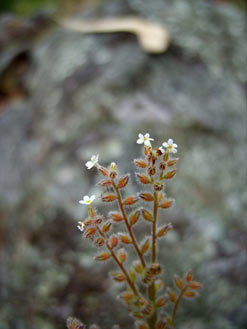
151, 171
166, 157
147, 215
90, 232
123, 181
189, 276
172, 162
132, 275
108, 197
155, 269
166, 204
158, 284
157, 152
116, 216
162, 165
158, 186
88, 222
162, 301
162, 231
105, 183
145, 246
178, 282
162, 324
172, 295
126, 296
195, 285
148, 277
190, 294
99, 242
103, 256
138, 267
124, 238
113, 241
73, 323
98, 220
106, 226
121, 255
143, 179
141, 326
118, 277
134, 216
130, 200
140, 163
170, 174
113, 174
146, 196
147, 309
103, 171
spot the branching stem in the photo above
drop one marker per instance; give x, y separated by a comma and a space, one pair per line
175, 309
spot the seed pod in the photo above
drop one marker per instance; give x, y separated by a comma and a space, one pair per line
156, 269
106, 226
113, 241
130, 200
166, 204
146, 196
103, 256
99, 242
147, 309
190, 294
162, 301
147, 150
195, 285
116, 216
162, 231
74, 323
134, 217
162, 166
145, 246
118, 277
124, 238
103, 171
137, 315
140, 163
105, 183
143, 178
138, 267
172, 295
121, 255
172, 162
108, 197
189, 276
158, 186
170, 174
147, 215
123, 181
151, 171
158, 284
178, 282
90, 232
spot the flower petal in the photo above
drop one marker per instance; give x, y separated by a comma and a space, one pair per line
89, 164
92, 198
147, 135
139, 141
140, 136
170, 141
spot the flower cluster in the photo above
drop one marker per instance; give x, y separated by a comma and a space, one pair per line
145, 293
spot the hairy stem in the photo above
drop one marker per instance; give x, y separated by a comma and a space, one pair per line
120, 265
120, 203
175, 309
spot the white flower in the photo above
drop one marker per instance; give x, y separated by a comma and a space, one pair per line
161, 149
144, 139
93, 162
81, 226
170, 146
87, 200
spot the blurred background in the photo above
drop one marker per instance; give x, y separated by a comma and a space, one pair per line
64, 96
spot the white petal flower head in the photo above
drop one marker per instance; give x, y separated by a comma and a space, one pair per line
170, 146
93, 162
113, 166
87, 200
144, 139
81, 226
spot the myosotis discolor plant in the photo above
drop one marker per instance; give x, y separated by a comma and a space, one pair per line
145, 293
